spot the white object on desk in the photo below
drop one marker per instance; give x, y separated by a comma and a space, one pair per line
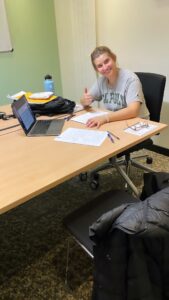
85, 117
41, 95
140, 131
16, 96
82, 136
78, 107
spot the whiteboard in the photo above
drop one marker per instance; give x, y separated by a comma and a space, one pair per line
5, 41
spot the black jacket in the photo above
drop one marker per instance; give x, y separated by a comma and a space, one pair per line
131, 252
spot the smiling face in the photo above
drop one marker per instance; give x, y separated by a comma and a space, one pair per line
106, 66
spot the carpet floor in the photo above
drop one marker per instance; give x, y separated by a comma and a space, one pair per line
33, 241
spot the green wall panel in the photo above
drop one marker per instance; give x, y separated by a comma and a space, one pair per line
33, 35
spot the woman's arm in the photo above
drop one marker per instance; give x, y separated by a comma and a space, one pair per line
87, 98
93, 94
129, 112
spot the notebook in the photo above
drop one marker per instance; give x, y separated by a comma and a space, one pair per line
30, 125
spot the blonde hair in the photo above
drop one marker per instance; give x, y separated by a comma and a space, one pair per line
99, 51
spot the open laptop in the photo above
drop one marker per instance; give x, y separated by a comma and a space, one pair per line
30, 125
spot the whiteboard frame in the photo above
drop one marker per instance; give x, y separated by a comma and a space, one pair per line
5, 39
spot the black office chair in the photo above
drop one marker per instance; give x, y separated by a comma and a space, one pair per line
153, 88
78, 221
113, 250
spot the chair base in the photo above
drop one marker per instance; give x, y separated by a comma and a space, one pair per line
119, 166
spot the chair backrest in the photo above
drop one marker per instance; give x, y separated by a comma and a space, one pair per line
153, 88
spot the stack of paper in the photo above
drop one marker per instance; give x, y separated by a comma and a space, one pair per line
85, 117
82, 136
38, 98
41, 95
141, 131
16, 96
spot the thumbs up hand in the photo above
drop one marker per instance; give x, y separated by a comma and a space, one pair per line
85, 91
87, 98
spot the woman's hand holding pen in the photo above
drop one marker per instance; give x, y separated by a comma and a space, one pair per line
87, 98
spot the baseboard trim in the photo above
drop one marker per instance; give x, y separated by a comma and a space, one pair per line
159, 149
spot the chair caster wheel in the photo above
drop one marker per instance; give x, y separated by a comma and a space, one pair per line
95, 176
149, 160
83, 176
94, 184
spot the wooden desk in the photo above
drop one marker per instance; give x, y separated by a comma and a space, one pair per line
32, 165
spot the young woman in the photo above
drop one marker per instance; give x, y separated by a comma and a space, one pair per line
119, 89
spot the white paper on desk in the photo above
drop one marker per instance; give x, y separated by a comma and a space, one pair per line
78, 107
16, 96
141, 131
82, 136
41, 95
85, 117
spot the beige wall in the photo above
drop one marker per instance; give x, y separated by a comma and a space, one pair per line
75, 24
136, 30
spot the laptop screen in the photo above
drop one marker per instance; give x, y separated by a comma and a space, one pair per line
24, 114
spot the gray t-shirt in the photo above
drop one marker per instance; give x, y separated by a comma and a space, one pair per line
127, 89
